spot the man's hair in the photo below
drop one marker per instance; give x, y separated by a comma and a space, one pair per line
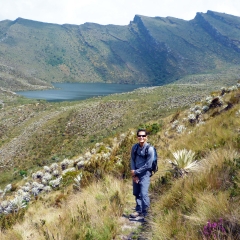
142, 130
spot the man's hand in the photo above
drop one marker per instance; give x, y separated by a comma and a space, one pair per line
133, 173
135, 179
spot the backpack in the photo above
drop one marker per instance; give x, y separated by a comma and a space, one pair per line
154, 167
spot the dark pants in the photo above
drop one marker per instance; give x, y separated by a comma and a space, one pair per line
140, 191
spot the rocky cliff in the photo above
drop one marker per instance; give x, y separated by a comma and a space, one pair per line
148, 50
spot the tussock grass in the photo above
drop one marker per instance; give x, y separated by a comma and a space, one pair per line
219, 132
211, 193
215, 170
210, 206
194, 200
92, 213
182, 207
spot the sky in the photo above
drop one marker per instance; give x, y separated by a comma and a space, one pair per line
117, 12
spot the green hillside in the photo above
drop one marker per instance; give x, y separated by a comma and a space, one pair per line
149, 50
65, 166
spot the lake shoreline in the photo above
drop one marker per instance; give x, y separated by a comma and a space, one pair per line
78, 91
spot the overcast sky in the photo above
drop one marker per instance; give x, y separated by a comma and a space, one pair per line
119, 12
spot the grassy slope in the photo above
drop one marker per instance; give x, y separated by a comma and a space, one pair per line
35, 134
180, 207
183, 207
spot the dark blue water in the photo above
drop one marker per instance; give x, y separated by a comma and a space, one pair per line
78, 91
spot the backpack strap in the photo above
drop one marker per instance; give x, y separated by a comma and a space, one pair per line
135, 151
136, 146
146, 150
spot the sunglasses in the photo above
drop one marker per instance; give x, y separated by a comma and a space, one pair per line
142, 135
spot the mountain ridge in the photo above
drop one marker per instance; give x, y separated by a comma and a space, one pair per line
149, 50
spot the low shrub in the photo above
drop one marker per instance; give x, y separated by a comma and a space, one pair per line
7, 221
68, 178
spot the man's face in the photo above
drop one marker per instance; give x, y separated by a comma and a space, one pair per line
142, 137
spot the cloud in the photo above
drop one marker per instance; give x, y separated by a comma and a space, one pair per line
119, 12
55, 11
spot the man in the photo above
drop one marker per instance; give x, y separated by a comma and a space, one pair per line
140, 171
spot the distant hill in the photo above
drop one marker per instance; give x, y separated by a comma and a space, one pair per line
148, 50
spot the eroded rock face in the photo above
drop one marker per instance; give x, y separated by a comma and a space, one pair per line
144, 51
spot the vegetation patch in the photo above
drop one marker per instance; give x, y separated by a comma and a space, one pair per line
194, 194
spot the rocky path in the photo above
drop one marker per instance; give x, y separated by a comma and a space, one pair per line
132, 228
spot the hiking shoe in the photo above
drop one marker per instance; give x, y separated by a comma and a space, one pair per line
134, 215
144, 214
140, 219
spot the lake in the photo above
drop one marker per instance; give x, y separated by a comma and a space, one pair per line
78, 91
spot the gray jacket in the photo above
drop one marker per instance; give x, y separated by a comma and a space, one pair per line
139, 162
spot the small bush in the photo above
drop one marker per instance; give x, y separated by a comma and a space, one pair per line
68, 178
7, 221
151, 128
117, 204
102, 149
23, 173
221, 229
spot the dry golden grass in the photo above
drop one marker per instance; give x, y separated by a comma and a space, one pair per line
94, 211
210, 205
185, 205
219, 132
